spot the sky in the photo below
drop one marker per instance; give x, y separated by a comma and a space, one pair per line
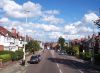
47, 20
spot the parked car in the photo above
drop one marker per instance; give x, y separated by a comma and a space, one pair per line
35, 59
62, 53
40, 58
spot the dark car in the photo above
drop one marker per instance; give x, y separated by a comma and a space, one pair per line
39, 56
35, 59
62, 53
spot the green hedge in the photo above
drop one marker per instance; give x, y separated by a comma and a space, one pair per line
5, 57
13, 55
18, 55
85, 55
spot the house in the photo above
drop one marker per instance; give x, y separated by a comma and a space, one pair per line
4, 38
10, 40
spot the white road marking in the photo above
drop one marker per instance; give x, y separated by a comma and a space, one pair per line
57, 65
80, 71
59, 68
53, 54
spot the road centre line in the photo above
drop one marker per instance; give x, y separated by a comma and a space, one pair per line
80, 71
59, 68
52, 52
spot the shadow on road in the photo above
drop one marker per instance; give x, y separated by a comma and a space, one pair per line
73, 64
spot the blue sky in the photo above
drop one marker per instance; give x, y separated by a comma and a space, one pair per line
71, 10
50, 19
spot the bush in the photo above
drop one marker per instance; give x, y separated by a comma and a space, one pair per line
14, 55
97, 59
18, 55
5, 57
5, 52
9, 52
81, 55
76, 50
85, 55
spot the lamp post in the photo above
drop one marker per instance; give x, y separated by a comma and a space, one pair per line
93, 44
23, 62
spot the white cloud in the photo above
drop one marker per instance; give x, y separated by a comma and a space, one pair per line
82, 27
71, 29
85, 29
34, 8
71, 37
52, 19
15, 10
90, 17
56, 35
47, 27
4, 20
52, 12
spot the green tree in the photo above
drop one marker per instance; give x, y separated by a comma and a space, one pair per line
36, 45
61, 41
97, 22
32, 46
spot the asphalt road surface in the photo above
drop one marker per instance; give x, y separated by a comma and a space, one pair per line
53, 63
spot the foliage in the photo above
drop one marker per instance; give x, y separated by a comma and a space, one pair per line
18, 55
61, 41
5, 57
97, 59
32, 46
76, 50
97, 22
6, 52
13, 55
85, 55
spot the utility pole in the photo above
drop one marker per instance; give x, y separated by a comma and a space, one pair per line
23, 62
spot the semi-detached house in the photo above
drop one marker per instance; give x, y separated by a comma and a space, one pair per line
10, 40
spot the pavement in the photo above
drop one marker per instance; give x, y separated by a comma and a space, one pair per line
54, 63
16, 67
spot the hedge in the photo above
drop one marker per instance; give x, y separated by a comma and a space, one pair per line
17, 55
5, 57
85, 55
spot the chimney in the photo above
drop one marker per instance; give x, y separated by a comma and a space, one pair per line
13, 30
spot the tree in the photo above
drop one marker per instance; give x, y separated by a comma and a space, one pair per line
61, 41
97, 22
32, 46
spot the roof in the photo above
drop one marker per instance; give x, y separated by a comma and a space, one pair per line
3, 31
16, 35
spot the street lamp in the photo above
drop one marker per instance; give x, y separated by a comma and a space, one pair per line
23, 62
93, 44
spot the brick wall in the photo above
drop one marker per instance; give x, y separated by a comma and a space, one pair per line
1, 47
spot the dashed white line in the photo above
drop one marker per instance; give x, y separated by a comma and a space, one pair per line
59, 68
57, 65
80, 71
52, 52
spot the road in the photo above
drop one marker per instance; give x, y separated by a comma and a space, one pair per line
53, 63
